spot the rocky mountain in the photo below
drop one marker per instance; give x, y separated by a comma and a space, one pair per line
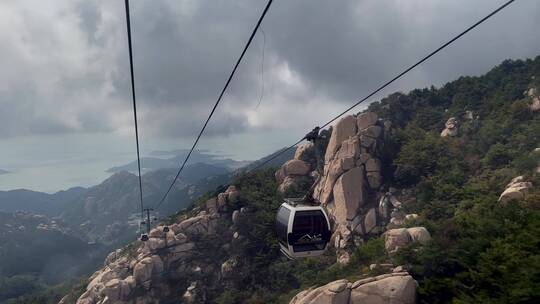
434, 197
110, 212
38, 202
351, 185
198, 156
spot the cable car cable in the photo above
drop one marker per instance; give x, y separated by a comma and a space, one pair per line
391, 80
261, 96
217, 102
419, 62
128, 22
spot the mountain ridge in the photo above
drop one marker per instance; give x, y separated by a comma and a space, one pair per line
38, 202
198, 156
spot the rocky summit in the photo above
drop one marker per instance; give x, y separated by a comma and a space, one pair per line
172, 254
350, 184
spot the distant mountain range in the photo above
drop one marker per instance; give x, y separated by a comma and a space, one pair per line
38, 202
109, 213
198, 156
274, 163
4, 171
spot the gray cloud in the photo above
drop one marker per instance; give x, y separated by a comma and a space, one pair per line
316, 51
65, 66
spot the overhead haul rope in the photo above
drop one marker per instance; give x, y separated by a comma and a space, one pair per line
281, 152
128, 22
262, 70
217, 102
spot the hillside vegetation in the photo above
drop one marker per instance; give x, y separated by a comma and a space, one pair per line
36, 253
482, 251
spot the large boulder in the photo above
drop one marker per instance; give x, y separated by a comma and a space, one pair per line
344, 129
293, 182
451, 127
534, 104
348, 194
296, 167
372, 132
396, 238
323, 191
350, 148
290, 170
419, 234
337, 292
306, 152
366, 120
515, 190
395, 289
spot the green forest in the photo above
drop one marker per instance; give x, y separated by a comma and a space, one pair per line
482, 251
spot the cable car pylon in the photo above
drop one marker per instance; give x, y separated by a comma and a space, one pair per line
144, 236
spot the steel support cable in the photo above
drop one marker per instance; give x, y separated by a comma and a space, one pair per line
391, 80
128, 22
217, 102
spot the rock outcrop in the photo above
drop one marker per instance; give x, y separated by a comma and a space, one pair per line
350, 185
397, 288
515, 190
451, 128
351, 179
295, 170
397, 238
136, 273
534, 103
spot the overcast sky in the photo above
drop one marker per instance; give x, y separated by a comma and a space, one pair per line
65, 108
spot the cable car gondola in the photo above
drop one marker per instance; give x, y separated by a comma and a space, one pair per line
302, 230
